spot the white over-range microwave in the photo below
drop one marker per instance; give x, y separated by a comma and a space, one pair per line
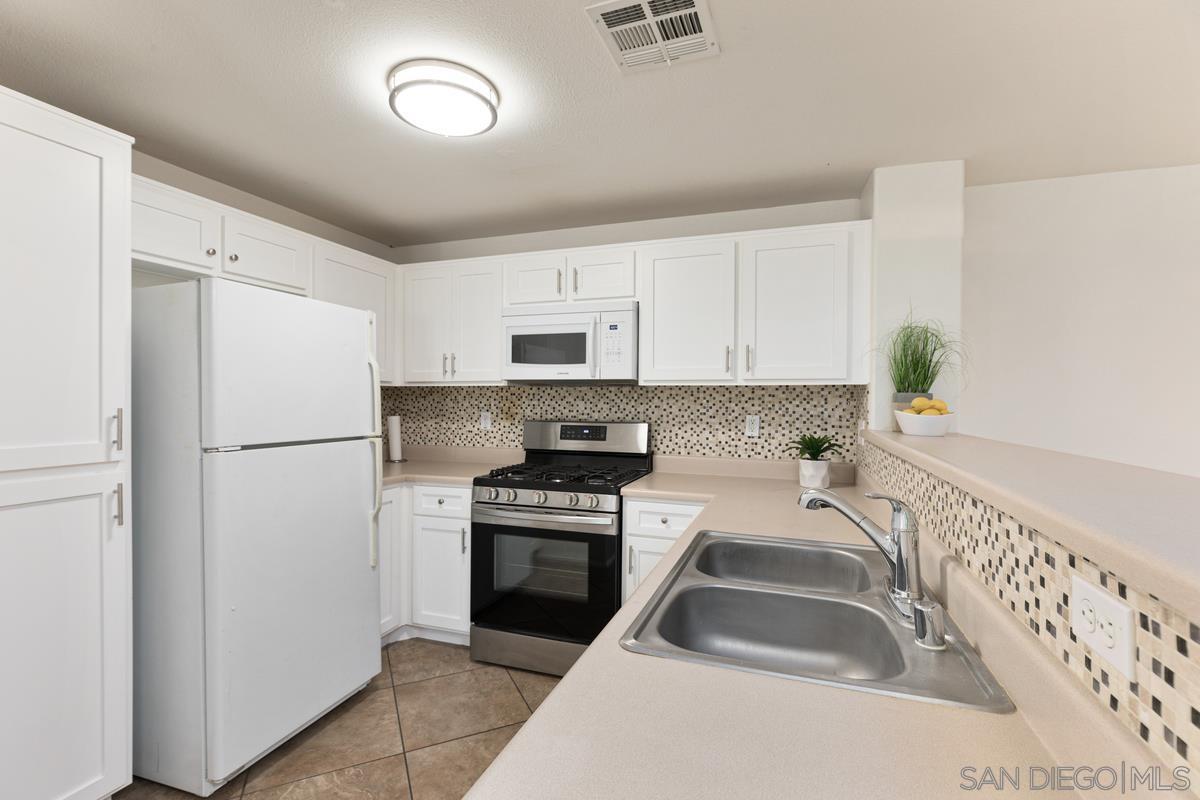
571, 342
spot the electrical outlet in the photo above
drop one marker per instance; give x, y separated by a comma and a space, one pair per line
752, 423
485, 420
1105, 624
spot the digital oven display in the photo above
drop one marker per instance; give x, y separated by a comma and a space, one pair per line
583, 433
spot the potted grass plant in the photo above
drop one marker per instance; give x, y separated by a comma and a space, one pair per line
814, 468
917, 353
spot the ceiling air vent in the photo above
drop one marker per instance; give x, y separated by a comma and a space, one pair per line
655, 33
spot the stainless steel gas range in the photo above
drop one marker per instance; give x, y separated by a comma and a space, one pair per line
546, 542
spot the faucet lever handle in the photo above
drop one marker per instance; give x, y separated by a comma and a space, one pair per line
903, 518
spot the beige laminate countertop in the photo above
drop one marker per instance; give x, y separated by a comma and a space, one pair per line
624, 725
440, 473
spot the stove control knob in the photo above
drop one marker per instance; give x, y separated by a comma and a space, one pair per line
493, 493
539, 497
510, 495
593, 501
572, 499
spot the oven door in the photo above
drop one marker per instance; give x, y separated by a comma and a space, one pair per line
553, 574
550, 347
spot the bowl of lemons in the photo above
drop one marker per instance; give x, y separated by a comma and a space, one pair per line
925, 417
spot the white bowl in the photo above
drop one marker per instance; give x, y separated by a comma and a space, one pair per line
917, 425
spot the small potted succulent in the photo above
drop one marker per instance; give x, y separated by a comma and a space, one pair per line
917, 353
814, 469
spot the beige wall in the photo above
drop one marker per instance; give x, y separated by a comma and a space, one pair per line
153, 168
916, 232
698, 225
1081, 309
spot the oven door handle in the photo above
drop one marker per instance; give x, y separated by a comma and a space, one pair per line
546, 520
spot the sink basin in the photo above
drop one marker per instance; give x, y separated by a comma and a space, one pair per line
808, 611
801, 565
785, 632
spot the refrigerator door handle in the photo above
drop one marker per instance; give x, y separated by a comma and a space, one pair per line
377, 468
376, 400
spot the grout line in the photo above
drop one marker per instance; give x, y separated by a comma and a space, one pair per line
444, 675
516, 686
467, 736
319, 774
400, 726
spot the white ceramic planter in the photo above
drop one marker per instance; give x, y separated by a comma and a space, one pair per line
814, 474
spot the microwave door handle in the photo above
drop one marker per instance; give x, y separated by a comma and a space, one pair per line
595, 346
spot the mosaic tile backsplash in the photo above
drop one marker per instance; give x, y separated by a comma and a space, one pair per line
1031, 575
684, 420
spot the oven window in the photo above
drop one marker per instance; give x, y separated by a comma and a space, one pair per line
541, 567
554, 349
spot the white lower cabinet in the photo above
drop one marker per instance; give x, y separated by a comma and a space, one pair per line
642, 554
441, 573
65, 618
392, 562
651, 528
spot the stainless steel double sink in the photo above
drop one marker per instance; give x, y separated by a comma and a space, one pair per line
810, 611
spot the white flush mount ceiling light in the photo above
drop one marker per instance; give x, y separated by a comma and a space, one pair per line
443, 97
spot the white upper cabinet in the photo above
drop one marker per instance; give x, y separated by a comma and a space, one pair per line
478, 344
688, 312
539, 278
64, 288
428, 322
602, 274
794, 314
350, 278
65, 555
175, 229
261, 252
452, 329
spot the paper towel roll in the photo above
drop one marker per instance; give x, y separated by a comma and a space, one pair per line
394, 453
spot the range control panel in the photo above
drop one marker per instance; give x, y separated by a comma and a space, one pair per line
583, 433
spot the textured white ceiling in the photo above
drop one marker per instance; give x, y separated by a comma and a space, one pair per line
287, 99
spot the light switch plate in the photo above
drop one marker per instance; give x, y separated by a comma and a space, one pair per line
485, 420
752, 425
1105, 624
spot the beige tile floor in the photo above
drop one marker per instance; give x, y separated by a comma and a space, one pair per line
424, 729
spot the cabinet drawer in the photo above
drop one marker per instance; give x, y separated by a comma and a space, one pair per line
442, 501
655, 518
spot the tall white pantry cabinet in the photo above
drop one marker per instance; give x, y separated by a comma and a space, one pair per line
65, 599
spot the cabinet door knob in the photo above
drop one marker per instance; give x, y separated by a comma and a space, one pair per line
212, 251
233, 256
441, 501
664, 520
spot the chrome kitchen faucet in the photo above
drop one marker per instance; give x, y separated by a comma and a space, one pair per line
900, 549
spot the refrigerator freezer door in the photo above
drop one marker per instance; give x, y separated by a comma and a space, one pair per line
292, 598
280, 368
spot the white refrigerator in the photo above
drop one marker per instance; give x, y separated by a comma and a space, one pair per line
257, 476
